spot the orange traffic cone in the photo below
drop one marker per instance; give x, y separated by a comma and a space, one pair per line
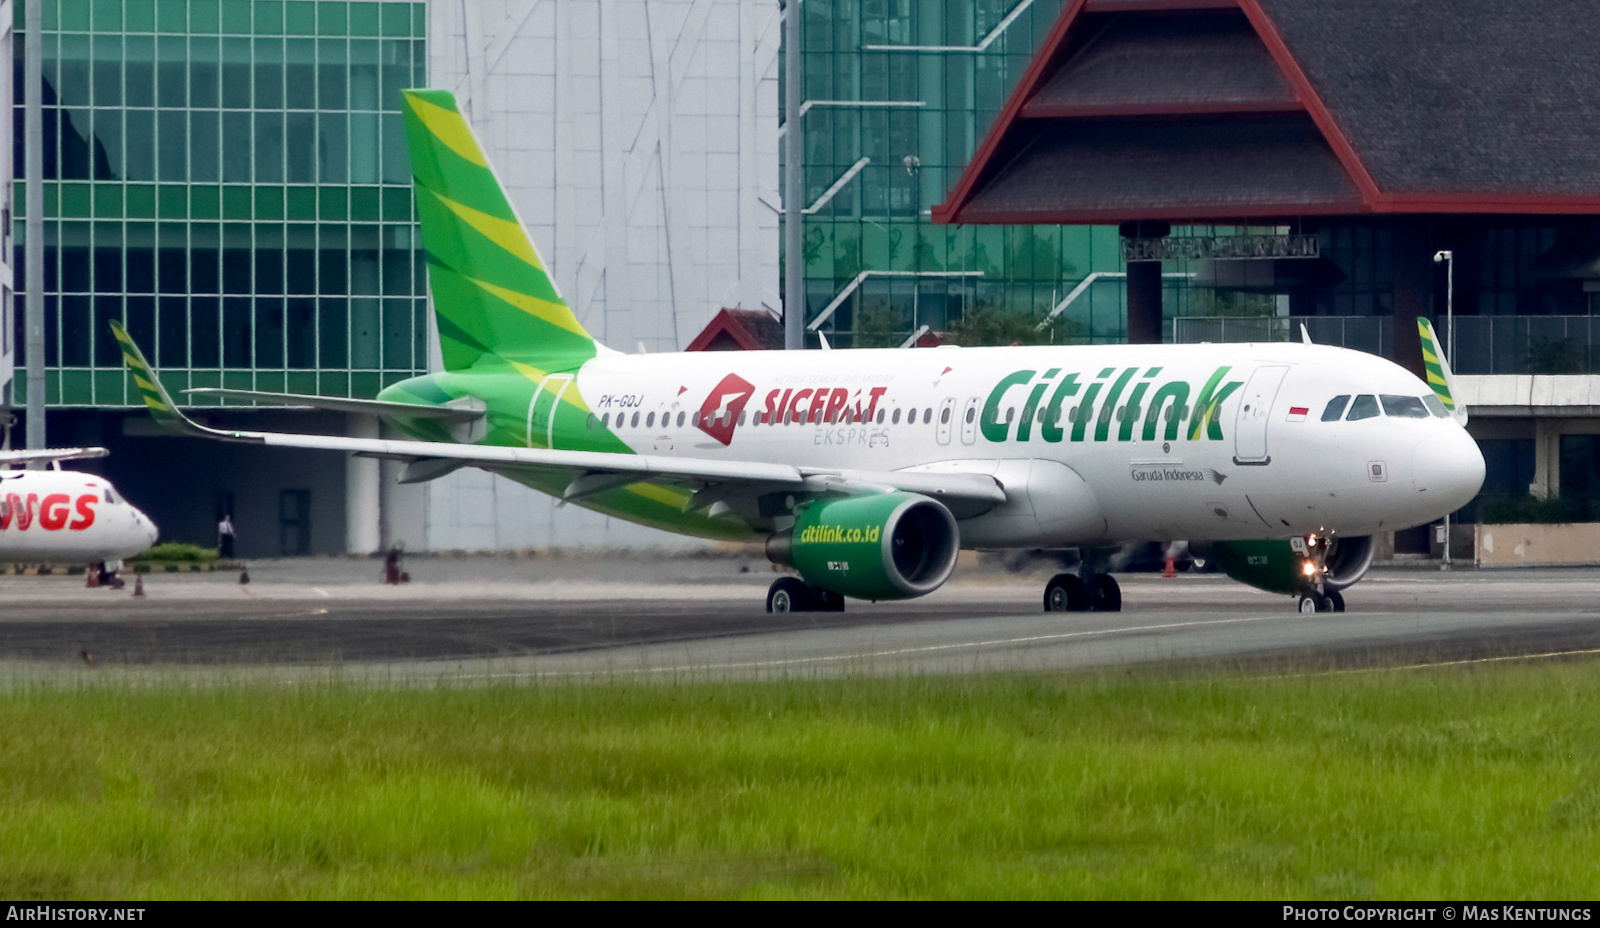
1172, 567
138, 585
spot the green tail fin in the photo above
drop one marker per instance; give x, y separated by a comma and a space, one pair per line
491, 295
1437, 368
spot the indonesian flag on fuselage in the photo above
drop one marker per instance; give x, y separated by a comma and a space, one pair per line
1298, 413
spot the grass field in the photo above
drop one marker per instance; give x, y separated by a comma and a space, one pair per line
1476, 782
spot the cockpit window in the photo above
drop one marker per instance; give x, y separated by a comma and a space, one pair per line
1335, 408
1404, 407
1365, 407
110, 496
1435, 407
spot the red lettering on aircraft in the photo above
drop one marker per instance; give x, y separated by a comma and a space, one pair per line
16, 512
85, 512
719, 414
54, 511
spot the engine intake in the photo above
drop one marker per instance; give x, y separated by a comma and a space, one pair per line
882, 546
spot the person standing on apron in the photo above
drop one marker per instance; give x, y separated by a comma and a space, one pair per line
225, 537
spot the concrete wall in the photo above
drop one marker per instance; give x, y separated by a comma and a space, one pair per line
176, 480
636, 139
1570, 544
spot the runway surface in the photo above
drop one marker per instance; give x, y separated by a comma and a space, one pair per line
498, 618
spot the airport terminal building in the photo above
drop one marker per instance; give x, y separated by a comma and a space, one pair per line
230, 177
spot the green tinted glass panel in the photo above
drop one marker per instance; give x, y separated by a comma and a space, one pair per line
419, 19
205, 202
300, 203
140, 15
269, 202
269, 17
396, 204
141, 201
236, 16
74, 16
364, 204
172, 201
75, 200
171, 15
300, 17
107, 15
107, 201
363, 19
333, 204
204, 17
236, 202
331, 19
396, 19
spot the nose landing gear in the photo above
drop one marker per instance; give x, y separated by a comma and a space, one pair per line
1315, 596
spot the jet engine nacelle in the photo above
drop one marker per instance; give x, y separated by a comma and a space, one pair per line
881, 546
1276, 567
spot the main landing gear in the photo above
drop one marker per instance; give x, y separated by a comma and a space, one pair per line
1071, 593
789, 594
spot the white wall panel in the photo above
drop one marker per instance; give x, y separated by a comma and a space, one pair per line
635, 138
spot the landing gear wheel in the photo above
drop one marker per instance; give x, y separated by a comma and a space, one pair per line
788, 594
1336, 601
1312, 603
1104, 594
1066, 593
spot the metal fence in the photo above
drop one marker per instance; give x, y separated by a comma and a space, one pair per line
1372, 334
1483, 344
1526, 344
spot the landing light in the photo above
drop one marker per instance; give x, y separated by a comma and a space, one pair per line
1309, 568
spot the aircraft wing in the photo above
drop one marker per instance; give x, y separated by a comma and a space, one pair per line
340, 404
51, 454
590, 471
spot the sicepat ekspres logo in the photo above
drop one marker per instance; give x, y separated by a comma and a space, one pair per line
719, 414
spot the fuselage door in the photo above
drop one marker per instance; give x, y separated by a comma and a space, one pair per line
947, 411
969, 421
1255, 411
542, 409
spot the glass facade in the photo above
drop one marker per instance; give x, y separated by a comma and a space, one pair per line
230, 178
947, 68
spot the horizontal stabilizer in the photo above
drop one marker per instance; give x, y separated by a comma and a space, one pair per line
342, 404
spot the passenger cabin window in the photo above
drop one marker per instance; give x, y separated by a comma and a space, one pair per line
1405, 407
680, 420
1435, 407
1365, 407
944, 417
1335, 408
896, 418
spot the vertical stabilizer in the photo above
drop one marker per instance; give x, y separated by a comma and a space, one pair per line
1437, 367
492, 297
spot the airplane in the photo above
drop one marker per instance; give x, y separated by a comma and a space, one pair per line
866, 471
65, 517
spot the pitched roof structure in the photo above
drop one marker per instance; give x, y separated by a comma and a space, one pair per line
739, 330
1264, 109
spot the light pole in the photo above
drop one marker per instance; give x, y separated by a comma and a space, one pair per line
1448, 258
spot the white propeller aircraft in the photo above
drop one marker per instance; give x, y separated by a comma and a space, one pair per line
867, 470
65, 517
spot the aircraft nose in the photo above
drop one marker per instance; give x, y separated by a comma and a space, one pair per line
1448, 469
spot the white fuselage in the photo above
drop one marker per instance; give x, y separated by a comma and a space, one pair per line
1237, 449
67, 517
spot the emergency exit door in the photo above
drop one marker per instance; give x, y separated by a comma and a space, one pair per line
1255, 413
